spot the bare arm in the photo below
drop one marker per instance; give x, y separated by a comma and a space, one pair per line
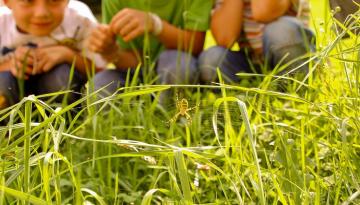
174, 38
269, 10
42, 60
81, 63
48, 57
131, 23
123, 59
5, 65
226, 22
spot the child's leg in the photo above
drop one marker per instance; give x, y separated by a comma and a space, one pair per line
58, 79
9, 92
285, 40
177, 67
108, 81
229, 62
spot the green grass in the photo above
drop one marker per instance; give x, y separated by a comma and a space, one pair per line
245, 145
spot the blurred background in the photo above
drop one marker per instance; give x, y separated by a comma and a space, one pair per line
95, 6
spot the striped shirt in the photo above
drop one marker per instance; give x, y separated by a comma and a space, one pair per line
252, 31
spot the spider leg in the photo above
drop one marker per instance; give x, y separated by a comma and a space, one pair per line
188, 117
172, 120
177, 97
192, 108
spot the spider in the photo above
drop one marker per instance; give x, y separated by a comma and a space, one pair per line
182, 106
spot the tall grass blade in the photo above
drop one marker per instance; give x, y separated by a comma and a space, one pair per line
245, 117
27, 141
183, 175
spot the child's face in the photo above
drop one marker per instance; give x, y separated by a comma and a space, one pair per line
37, 17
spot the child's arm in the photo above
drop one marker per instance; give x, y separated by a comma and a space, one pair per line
48, 57
269, 10
131, 23
231, 12
173, 37
5, 63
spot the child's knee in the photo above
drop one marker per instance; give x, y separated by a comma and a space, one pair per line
212, 57
177, 67
284, 31
209, 61
61, 77
108, 81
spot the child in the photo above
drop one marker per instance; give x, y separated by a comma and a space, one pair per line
171, 33
273, 31
39, 42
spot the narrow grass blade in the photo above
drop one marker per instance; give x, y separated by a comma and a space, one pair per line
183, 175
149, 195
94, 195
27, 141
23, 196
245, 117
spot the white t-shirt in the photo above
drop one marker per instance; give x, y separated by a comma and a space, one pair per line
76, 26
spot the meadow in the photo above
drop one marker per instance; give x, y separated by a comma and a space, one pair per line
246, 144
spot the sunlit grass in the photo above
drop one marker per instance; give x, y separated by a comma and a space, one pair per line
245, 145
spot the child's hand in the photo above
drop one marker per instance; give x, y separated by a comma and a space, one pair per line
131, 23
21, 65
101, 39
48, 57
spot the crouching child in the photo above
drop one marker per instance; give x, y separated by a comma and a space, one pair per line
40, 41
